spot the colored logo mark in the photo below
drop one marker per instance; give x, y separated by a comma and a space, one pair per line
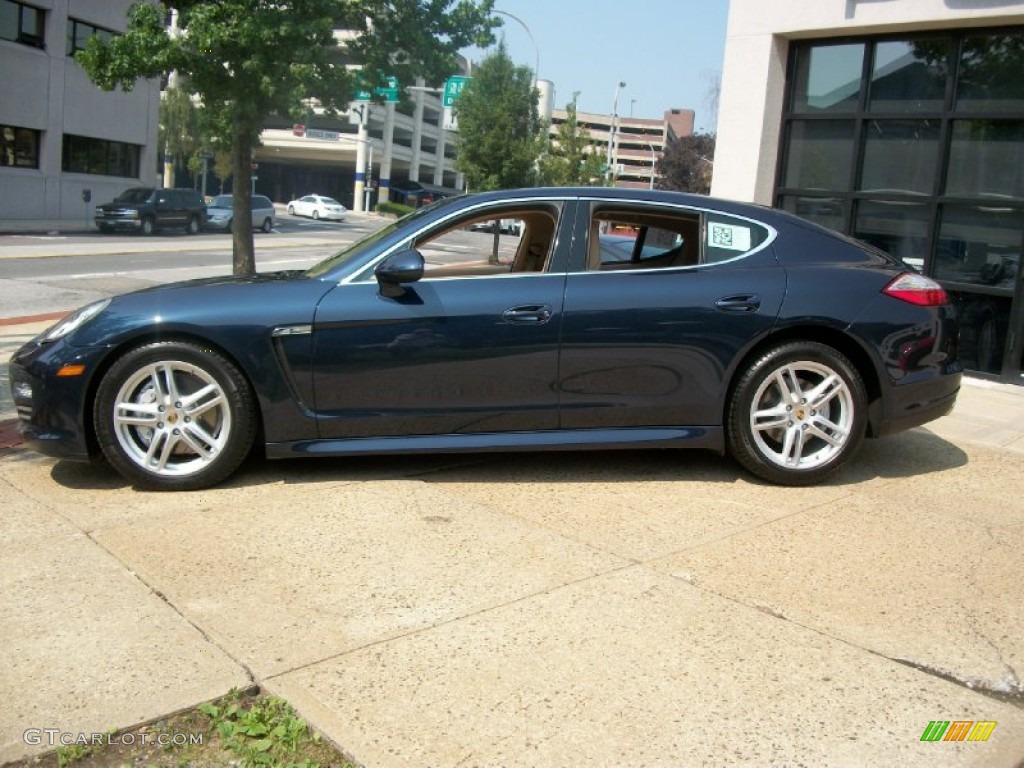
958, 730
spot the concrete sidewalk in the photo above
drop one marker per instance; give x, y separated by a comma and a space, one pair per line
651, 608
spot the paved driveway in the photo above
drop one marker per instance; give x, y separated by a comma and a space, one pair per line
608, 608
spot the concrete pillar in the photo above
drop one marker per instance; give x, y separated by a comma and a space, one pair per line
384, 185
417, 132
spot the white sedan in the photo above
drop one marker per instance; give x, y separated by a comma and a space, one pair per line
317, 207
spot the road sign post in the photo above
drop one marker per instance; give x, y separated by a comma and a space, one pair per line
453, 89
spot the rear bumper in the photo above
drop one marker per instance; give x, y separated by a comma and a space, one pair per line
917, 404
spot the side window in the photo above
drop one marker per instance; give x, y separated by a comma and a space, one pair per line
624, 238
509, 241
726, 237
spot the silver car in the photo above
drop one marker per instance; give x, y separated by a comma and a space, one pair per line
220, 213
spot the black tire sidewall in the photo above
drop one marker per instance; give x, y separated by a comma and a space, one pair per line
740, 436
232, 383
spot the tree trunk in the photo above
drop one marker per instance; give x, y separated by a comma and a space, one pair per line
243, 251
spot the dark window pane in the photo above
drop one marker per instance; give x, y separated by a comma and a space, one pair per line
828, 78
984, 321
8, 20
991, 74
980, 244
19, 147
899, 228
901, 156
827, 211
909, 75
986, 159
820, 154
104, 158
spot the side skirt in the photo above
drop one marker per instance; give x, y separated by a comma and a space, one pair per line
708, 438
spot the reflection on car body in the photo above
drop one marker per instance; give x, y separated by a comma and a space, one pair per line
732, 328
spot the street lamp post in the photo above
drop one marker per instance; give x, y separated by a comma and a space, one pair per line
654, 163
611, 129
536, 50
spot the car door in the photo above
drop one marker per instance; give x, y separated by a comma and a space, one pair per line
650, 338
472, 347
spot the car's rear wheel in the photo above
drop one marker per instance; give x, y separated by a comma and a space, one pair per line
148, 225
174, 416
193, 225
797, 414
267, 225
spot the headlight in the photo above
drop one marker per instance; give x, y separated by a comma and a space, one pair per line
74, 321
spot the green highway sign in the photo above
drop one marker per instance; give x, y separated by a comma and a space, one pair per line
453, 89
389, 93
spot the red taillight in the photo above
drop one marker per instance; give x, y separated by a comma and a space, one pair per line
917, 289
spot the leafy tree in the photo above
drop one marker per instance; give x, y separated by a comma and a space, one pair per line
573, 159
249, 59
500, 133
179, 133
687, 163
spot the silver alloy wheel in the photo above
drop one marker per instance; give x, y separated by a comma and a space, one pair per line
172, 418
802, 415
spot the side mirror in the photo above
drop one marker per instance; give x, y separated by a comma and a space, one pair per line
397, 269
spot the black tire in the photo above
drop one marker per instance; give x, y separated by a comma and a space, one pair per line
291, 210
106, 229
316, 215
172, 416
810, 407
192, 227
267, 225
148, 225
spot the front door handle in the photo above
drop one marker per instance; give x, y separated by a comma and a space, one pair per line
742, 302
527, 314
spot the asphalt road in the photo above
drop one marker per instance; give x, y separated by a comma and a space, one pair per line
42, 274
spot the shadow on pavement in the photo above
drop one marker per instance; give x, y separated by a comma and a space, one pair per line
910, 454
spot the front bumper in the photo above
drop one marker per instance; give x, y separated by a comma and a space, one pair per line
118, 222
53, 411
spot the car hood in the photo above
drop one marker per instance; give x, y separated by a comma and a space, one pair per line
205, 306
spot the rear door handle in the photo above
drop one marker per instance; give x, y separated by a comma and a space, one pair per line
527, 314
741, 302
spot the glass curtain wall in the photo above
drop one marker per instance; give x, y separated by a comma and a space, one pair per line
916, 144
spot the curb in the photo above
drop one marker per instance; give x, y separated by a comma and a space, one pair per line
25, 319
10, 438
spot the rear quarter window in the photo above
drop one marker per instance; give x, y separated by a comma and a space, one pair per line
730, 237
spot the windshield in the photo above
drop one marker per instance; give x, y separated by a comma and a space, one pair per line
221, 201
365, 245
134, 195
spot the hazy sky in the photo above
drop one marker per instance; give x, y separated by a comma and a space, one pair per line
668, 52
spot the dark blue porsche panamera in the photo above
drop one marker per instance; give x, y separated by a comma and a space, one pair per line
722, 326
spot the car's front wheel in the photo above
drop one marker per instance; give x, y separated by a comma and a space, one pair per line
797, 414
174, 416
316, 215
193, 225
148, 225
291, 210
